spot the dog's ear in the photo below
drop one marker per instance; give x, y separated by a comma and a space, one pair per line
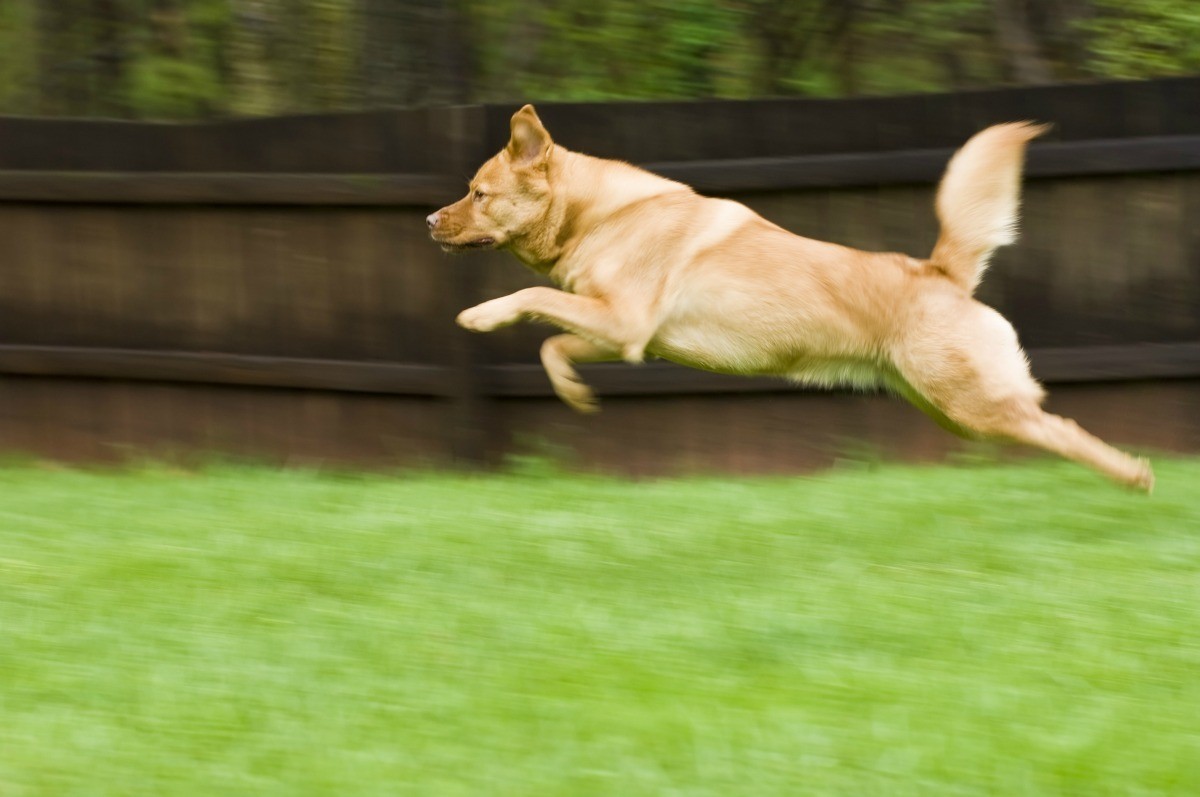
529, 143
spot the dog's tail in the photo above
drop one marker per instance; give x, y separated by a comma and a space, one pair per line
978, 199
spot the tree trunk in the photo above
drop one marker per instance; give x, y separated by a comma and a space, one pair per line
1018, 43
414, 52
52, 52
787, 31
109, 57
384, 73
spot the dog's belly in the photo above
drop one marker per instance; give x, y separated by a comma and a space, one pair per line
721, 350
860, 374
731, 354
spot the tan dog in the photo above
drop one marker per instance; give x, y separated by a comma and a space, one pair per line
647, 266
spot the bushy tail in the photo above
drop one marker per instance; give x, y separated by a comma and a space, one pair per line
978, 199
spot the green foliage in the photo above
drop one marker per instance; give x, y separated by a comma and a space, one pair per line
18, 67
172, 88
1146, 38
189, 58
946, 44
602, 49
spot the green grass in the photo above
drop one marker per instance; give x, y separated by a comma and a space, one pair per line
978, 630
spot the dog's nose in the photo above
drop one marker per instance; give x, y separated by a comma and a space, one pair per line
431, 220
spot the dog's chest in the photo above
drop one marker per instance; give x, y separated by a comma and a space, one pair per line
591, 274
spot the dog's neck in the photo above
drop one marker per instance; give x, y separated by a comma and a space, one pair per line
585, 191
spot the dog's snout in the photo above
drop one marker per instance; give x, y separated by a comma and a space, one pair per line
431, 220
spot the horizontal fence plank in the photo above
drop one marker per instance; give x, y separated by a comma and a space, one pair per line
1151, 154
1063, 159
1117, 363
225, 369
176, 188
762, 128
1073, 158
1053, 365
649, 379
805, 172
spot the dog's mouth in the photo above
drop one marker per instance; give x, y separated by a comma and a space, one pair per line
467, 246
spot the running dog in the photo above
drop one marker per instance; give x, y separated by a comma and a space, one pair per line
647, 266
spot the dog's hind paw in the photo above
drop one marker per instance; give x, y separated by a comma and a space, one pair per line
1144, 478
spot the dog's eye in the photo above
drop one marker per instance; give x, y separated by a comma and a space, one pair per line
478, 195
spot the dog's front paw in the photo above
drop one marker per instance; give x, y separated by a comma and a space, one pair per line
487, 316
576, 395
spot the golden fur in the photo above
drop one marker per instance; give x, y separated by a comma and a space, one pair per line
649, 267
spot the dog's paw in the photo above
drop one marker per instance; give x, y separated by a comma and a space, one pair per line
486, 317
577, 396
1144, 477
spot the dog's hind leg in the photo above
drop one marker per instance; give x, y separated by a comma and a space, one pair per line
1063, 436
558, 353
1020, 419
897, 384
969, 366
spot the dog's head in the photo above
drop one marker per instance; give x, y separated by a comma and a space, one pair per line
509, 196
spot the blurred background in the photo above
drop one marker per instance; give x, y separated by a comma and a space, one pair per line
190, 59
213, 235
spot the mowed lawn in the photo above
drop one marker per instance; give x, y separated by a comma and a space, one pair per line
980, 630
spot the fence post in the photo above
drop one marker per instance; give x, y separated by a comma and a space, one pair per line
457, 142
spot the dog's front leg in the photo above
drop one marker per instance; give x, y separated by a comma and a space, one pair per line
588, 317
558, 355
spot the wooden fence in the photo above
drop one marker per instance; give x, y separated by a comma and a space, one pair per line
266, 287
